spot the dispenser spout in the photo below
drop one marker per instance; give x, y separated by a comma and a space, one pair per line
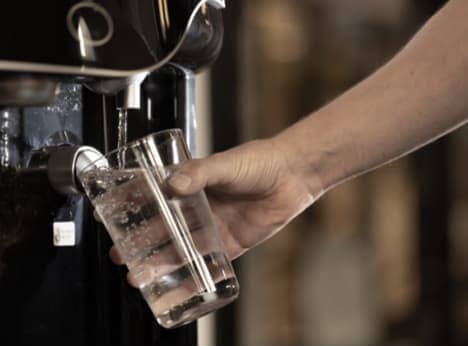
130, 96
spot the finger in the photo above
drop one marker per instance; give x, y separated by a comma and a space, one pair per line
232, 246
96, 216
132, 280
115, 256
195, 175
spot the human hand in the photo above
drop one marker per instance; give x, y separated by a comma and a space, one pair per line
253, 190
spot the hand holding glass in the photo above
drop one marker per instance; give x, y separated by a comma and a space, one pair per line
169, 243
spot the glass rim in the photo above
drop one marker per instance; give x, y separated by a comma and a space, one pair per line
132, 144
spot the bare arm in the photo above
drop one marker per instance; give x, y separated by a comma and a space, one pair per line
421, 94
417, 97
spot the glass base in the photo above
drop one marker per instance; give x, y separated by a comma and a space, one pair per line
200, 305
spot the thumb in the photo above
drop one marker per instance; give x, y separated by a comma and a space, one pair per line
195, 175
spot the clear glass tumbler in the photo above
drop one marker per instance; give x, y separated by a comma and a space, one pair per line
169, 243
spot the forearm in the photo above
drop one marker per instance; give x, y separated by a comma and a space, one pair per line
418, 96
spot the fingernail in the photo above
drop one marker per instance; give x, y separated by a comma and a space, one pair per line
180, 181
115, 256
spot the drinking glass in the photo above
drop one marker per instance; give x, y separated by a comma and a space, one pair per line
169, 243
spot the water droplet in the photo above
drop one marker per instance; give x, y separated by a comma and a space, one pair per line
123, 218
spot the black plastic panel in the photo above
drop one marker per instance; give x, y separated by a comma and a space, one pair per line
64, 295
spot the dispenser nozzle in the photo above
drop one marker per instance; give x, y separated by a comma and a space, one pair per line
130, 97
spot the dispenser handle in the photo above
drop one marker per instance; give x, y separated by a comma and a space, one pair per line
65, 163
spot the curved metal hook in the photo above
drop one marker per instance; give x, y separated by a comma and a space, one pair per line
15, 66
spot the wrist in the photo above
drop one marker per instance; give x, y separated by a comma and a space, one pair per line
301, 161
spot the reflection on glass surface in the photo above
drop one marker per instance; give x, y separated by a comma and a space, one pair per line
9, 132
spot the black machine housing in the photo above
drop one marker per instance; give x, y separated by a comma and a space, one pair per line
63, 66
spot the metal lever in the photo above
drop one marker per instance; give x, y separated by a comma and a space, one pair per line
65, 163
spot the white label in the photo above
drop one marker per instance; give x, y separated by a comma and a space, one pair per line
64, 233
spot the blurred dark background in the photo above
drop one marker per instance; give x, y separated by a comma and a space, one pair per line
379, 260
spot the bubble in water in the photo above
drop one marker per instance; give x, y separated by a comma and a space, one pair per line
135, 209
123, 218
124, 178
